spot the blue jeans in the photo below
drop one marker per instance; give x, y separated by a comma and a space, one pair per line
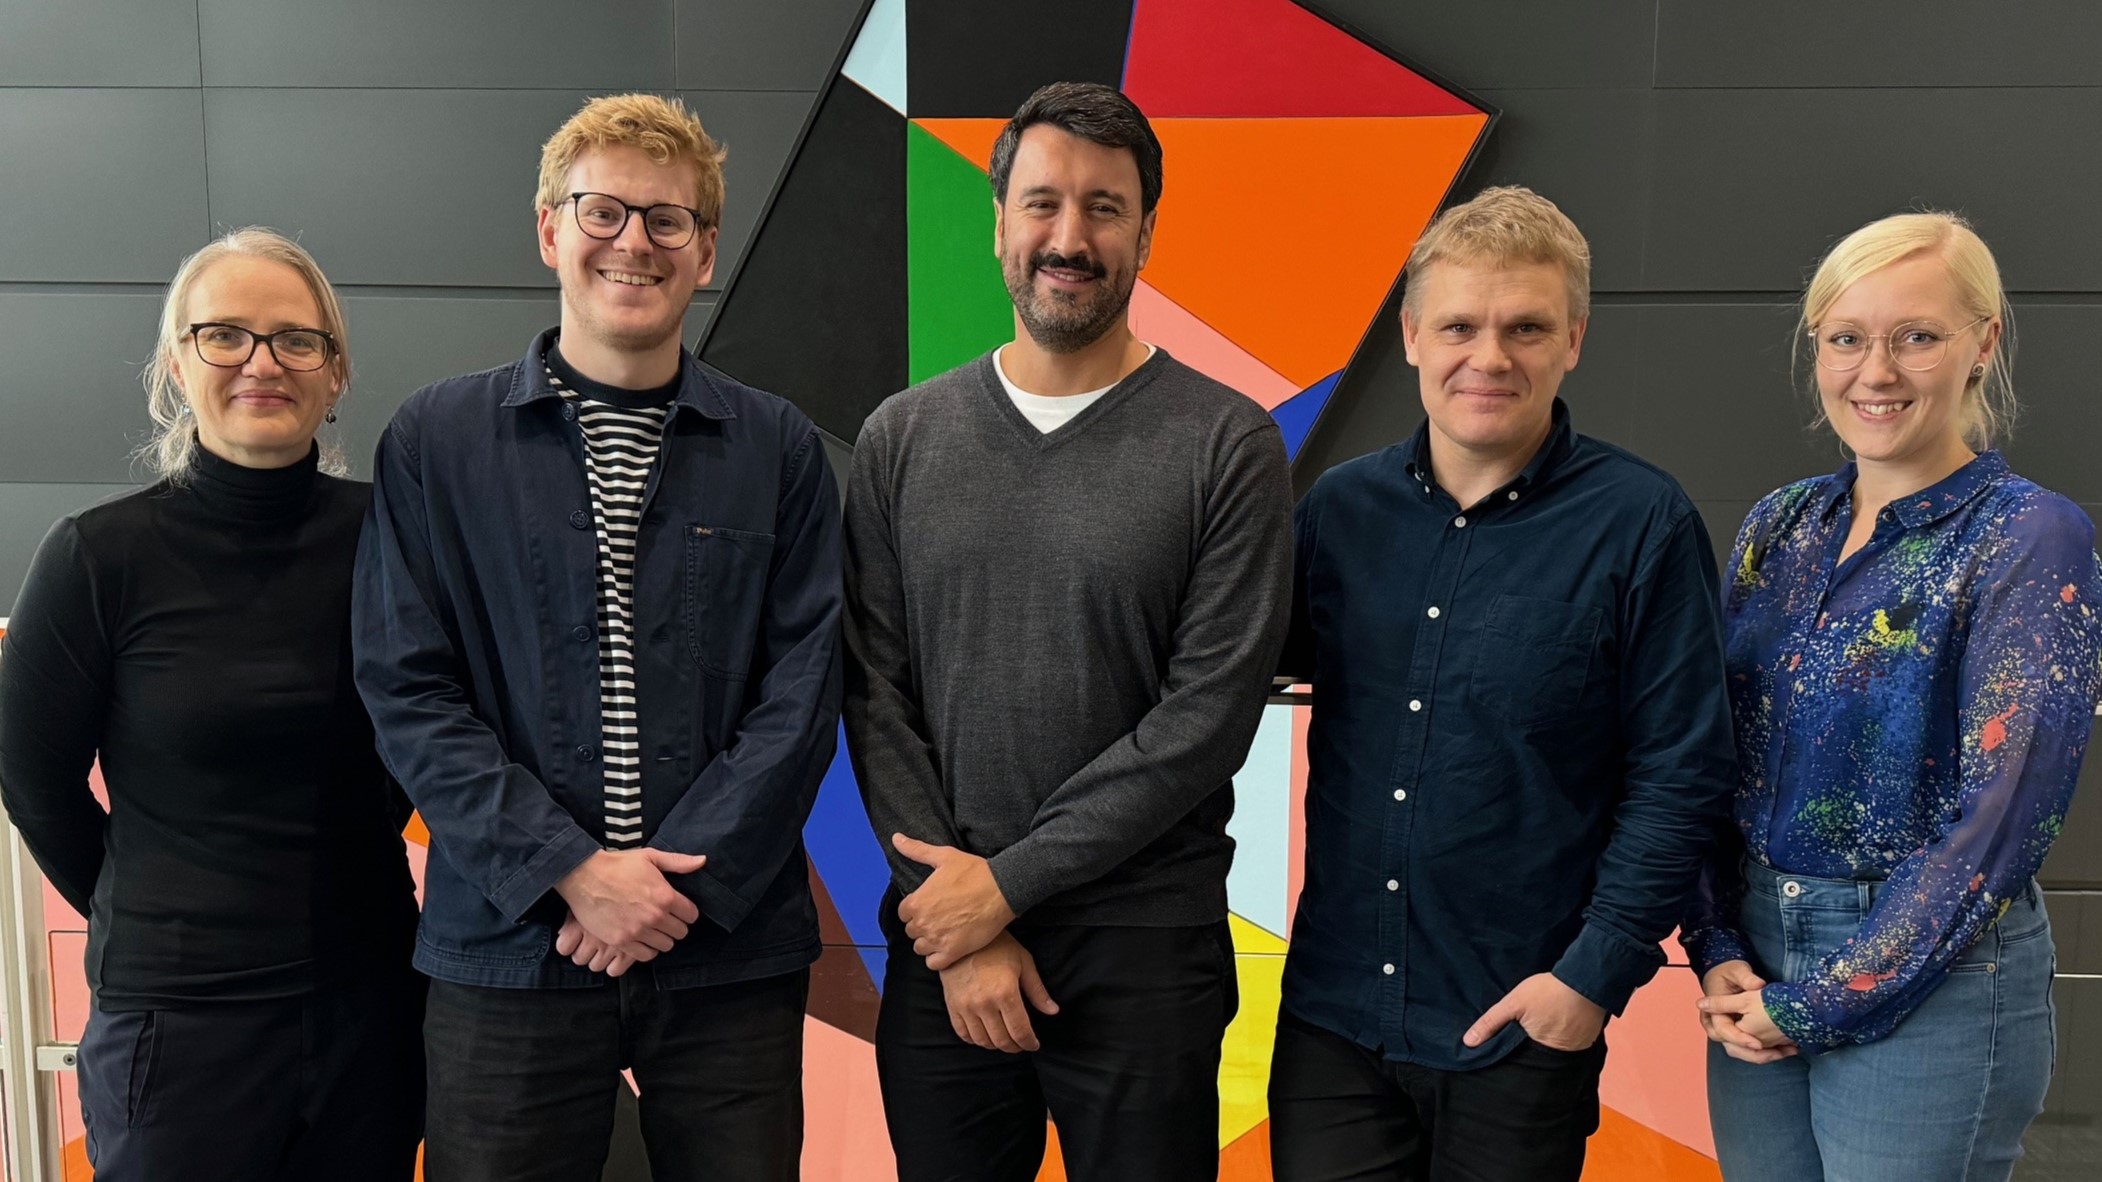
1944, 1098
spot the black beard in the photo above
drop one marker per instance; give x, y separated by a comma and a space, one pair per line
1059, 322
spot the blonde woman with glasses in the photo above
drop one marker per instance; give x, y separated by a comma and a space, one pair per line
1912, 647
250, 912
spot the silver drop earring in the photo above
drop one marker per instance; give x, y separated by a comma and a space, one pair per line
331, 415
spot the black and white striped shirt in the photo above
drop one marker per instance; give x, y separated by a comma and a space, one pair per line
620, 447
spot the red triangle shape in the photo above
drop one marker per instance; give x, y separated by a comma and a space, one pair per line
1265, 59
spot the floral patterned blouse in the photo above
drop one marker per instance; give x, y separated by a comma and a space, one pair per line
1915, 714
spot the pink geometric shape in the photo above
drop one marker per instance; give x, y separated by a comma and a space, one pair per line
1657, 1068
845, 1139
1161, 321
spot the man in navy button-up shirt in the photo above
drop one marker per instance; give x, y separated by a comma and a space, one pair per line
1520, 742
596, 623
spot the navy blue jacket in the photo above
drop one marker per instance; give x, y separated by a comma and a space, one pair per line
475, 633
1520, 745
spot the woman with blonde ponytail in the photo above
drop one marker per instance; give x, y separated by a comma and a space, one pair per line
250, 912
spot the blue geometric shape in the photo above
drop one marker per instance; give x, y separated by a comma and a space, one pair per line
877, 60
1262, 825
1295, 415
844, 850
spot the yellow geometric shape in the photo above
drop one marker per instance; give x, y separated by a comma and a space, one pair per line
1244, 1060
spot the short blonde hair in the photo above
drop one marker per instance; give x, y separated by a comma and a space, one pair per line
663, 128
1988, 399
172, 446
1503, 225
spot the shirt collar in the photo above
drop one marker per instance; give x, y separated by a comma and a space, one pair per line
1561, 440
1929, 504
698, 391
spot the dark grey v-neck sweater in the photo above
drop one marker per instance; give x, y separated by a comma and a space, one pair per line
1061, 643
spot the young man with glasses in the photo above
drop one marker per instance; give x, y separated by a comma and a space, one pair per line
1520, 739
1068, 577
596, 625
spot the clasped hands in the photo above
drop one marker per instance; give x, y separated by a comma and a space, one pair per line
1734, 1014
623, 910
957, 920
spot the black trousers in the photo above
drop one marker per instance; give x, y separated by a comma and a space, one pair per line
1128, 1070
322, 1088
523, 1081
1341, 1113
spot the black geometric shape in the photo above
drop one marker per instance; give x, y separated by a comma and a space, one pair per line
817, 309
971, 59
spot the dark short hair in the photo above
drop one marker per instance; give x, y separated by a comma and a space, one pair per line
1094, 112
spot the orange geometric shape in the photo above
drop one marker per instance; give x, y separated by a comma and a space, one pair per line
971, 139
1228, 58
1316, 214
1157, 319
1248, 1158
1623, 1149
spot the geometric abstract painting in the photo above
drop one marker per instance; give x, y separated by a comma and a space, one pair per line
1300, 165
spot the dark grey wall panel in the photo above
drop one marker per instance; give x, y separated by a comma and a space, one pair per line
1877, 43
1751, 186
413, 186
2065, 1143
1716, 406
2056, 436
603, 45
399, 344
435, 187
98, 42
1513, 43
26, 514
75, 408
2076, 858
100, 184
758, 128
2076, 927
780, 45
1588, 151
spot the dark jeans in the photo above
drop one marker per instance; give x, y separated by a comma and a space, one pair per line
1129, 1066
322, 1088
523, 1081
1341, 1113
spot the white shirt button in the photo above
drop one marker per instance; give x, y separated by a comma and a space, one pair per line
1393, 884
1513, 494
1415, 704
1387, 969
1433, 613
1459, 523
1791, 889
1401, 794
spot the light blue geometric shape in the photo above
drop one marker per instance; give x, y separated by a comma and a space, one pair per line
1262, 825
877, 60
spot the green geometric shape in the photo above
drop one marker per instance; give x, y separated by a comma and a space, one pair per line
957, 304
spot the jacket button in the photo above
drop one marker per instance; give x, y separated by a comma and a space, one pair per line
585, 752
569, 411
579, 519
580, 632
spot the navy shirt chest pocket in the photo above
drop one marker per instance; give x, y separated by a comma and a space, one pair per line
1534, 658
725, 588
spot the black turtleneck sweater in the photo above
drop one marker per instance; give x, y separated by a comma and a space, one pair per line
195, 637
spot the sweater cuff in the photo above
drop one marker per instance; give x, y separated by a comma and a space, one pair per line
1607, 966
1022, 882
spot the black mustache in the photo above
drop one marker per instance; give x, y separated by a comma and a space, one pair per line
1051, 260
